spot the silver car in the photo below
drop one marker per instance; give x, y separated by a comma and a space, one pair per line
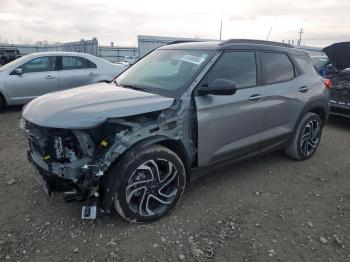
183, 108
39, 73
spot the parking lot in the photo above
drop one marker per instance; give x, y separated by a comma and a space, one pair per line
269, 208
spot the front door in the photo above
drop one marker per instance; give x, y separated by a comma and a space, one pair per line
230, 125
39, 77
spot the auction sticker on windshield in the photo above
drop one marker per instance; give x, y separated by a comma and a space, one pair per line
192, 59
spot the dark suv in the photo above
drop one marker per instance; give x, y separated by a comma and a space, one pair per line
8, 54
134, 143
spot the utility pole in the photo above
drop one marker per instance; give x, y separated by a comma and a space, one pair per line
220, 28
300, 33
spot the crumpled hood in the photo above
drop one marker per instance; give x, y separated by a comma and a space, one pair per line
88, 106
339, 54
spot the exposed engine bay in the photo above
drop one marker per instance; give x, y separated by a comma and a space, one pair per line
339, 56
341, 87
340, 94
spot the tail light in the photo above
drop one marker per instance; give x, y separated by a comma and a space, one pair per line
328, 83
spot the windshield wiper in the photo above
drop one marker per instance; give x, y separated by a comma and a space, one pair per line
134, 87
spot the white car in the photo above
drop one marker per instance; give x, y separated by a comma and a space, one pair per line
39, 73
130, 59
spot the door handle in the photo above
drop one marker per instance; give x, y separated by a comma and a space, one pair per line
49, 77
303, 89
255, 97
92, 74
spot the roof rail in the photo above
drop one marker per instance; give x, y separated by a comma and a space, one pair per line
183, 41
252, 41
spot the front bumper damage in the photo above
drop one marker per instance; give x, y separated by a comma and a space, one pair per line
55, 177
65, 171
63, 162
51, 177
83, 187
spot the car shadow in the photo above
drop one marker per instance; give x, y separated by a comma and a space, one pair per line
242, 168
12, 109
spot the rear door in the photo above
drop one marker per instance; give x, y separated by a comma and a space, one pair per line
230, 126
39, 77
76, 71
283, 98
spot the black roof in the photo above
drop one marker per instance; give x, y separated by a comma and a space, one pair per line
248, 44
255, 42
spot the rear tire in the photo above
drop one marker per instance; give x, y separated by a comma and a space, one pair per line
149, 183
306, 138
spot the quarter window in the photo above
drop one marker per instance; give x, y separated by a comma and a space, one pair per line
236, 66
277, 67
306, 65
74, 62
40, 64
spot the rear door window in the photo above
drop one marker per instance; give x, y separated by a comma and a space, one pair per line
277, 67
75, 62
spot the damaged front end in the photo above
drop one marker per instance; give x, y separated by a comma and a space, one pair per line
65, 161
74, 161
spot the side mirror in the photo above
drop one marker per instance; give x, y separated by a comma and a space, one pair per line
18, 71
220, 87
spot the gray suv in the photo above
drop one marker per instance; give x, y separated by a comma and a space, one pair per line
134, 143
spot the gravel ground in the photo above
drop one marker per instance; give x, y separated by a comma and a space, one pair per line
269, 208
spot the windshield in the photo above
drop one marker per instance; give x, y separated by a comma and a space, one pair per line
165, 72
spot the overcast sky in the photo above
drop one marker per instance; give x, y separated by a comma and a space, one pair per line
324, 21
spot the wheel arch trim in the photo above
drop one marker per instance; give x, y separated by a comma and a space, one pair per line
319, 107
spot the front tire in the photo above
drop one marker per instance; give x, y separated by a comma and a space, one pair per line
306, 138
149, 184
